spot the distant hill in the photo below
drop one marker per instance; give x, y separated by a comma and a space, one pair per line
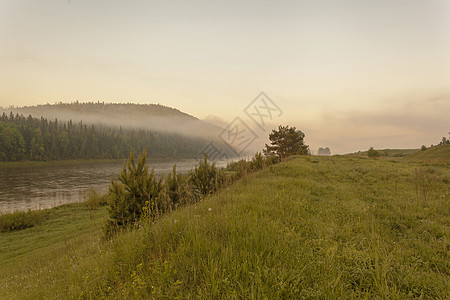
40, 139
154, 117
108, 109
388, 152
436, 154
127, 115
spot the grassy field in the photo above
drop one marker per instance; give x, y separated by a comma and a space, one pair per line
308, 228
34, 261
434, 155
389, 152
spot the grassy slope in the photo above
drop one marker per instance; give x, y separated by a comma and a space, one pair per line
438, 154
313, 227
389, 152
35, 260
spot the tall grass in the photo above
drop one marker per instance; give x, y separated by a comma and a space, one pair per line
35, 263
308, 228
138, 196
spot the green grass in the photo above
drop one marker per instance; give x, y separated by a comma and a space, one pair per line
34, 261
388, 152
439, 154
19, 220
311, 228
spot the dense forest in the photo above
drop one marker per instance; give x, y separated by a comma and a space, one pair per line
102, 109
28, 138
154, 117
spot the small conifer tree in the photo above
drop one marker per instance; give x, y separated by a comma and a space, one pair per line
136, 191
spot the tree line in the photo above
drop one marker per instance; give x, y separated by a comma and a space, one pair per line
40, 139
137, 196
101, 108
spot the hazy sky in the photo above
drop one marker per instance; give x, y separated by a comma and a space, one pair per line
350, 74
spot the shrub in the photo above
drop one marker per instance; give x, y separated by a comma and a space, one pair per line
21, 220
258, 162
94, 200
137, 191
271, 160
206, 178
373, 153
172, 186
240, 167
176, 192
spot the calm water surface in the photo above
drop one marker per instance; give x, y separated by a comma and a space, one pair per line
48, 185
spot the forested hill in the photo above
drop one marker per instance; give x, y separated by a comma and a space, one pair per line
153, 117
28, 138
105, 110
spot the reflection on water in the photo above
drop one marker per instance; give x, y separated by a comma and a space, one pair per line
49, 185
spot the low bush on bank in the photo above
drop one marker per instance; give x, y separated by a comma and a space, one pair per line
94, 200
138, 196
21, 219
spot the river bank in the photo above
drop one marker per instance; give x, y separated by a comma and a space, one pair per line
313, 227
40, 185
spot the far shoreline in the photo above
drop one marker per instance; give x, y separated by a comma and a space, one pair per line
33, 163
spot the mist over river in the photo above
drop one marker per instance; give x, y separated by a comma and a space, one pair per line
38, 186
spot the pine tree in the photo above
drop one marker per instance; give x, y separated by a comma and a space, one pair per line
286, 141
136, 192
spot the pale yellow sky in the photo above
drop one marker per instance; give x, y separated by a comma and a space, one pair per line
350, 74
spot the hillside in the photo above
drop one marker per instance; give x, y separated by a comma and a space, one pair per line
436, 154
126, 115
102, 109
308, 228
38, 139
388, 152
165, 121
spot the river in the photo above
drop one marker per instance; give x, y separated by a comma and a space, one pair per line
45, 185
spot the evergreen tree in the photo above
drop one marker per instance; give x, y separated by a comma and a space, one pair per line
136, 192
286, 141
39, 139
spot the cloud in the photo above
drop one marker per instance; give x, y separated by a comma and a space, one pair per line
216, 120
406, 123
